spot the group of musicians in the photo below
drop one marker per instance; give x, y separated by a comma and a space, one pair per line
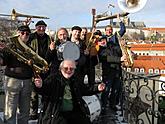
108, 53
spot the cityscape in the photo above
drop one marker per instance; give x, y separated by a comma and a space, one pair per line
143, 81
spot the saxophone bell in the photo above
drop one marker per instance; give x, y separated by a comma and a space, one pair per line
128, 53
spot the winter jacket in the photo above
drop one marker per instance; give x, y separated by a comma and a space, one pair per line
53, 90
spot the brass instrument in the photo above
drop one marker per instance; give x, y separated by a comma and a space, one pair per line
131, 6
91, 43
27, 21
132, 3
26, 55
126, 51
98, 18
15, 14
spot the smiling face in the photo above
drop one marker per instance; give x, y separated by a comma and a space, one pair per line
23, 36
40, 29
76, 35
108, 30
67, 68
62, 35
83, 33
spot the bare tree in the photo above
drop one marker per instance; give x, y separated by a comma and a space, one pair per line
7, 27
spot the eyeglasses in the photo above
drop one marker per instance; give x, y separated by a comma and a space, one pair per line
25, 32
68, 69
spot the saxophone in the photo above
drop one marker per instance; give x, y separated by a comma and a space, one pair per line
91, 40
26, 55
126, 51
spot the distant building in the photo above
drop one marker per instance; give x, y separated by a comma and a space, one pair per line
150, 59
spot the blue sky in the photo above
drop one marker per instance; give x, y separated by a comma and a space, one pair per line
67, 13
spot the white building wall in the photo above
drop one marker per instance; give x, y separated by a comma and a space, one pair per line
150, 53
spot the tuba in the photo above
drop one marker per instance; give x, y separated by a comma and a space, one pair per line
131, 6
26, 55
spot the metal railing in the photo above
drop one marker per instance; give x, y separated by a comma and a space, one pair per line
143, 98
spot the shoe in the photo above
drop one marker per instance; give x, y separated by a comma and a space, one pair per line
33, 117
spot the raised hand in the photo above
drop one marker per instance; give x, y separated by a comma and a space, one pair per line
2, 45
101, 87
38, 82
118, 17
52, 45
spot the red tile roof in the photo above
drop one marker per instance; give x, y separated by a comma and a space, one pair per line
155, 29
146, 47
150, 62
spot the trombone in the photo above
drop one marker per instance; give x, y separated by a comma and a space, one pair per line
98, 18
15, 14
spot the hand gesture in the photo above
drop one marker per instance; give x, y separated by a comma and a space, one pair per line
123, 58
101, 87
123, 42
118, 17
38, 82
2, 45
86, 52
52, 45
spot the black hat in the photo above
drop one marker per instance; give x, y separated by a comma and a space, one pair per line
76, 28
98, 32
41, 23
24, 28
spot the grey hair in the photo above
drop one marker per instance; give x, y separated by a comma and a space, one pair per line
62, 63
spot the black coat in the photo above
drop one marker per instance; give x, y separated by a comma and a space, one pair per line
110, 56
53, 89
13, 62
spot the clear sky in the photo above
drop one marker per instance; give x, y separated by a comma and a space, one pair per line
67, 13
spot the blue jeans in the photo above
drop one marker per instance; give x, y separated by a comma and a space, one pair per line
17, 100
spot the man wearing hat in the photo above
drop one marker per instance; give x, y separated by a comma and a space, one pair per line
18, 76
39, 41
75, 37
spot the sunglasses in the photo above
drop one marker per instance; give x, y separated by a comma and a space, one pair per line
68, 69
25, 32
